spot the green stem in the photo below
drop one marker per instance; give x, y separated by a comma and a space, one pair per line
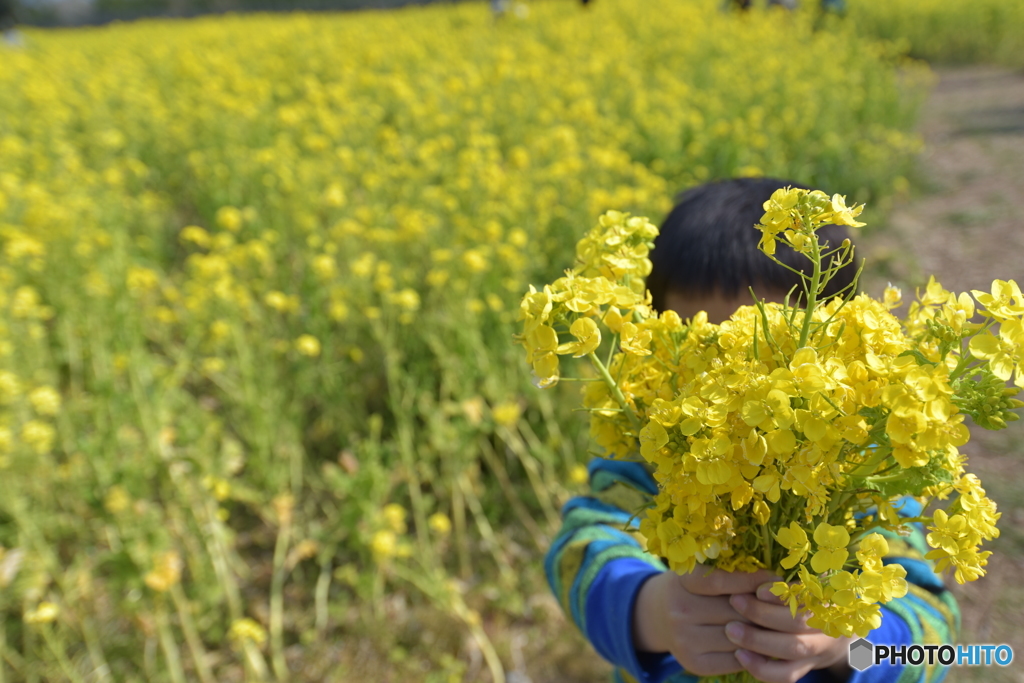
58, 653
192, 639
866, 468
321, 594
616, 392
508, 488
168, 644
812, 292
963, 364
3, 648
277, 601
766, 544
254, 660
886, 478
837, 502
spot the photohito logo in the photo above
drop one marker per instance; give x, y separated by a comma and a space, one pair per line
864, 654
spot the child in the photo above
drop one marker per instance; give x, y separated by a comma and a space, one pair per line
656, 626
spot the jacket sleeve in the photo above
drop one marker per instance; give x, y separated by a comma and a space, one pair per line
596, 566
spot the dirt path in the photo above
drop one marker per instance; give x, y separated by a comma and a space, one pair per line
963, 228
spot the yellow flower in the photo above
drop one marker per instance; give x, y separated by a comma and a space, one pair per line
652, 438
506, 414
280, 301
872, 547
475, 260
541, 344
45, 400
384, 544
394, 515
325, 266
903, 428
795, 540
440, 523
44, 613
949, 533
117, 500
634, 340
844, 588
535, 308
229, 218
892, 297
308, 345
761, 512
768, 484
832, 551
196, 235
212, 366
166, 572
844, 215
679, 547
10, 387
1004, 353
588, 338
247, 630
406, 299
885, 583
39, 435
1004, 302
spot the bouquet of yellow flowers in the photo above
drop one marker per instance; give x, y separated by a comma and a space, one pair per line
784, 437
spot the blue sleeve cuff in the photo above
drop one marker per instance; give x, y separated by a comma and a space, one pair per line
609, 620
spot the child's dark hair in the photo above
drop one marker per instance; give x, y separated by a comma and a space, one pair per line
708, 244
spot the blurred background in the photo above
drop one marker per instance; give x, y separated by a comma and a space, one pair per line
261, 417
92, 12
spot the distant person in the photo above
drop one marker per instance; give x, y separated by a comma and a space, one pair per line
747, 4
8, 21
835, 6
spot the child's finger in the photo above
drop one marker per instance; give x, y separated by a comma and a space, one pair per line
718, 582
714, 664
705, 610
774, 617
764, 594
786, 646
705, 639
772, 671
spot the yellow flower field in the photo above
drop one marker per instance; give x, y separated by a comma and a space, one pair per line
950, 31
257, 390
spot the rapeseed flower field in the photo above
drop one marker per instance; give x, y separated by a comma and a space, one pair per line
259, 282
948, 31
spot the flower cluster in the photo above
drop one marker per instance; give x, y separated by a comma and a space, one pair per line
783, 437
615, 254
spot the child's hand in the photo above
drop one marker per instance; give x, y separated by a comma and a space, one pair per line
686, 616
777, 647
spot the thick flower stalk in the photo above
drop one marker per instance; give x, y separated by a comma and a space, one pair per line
784, 437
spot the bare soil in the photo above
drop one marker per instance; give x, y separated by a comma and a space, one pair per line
962, 226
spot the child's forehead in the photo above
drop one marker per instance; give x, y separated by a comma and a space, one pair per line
719, 306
